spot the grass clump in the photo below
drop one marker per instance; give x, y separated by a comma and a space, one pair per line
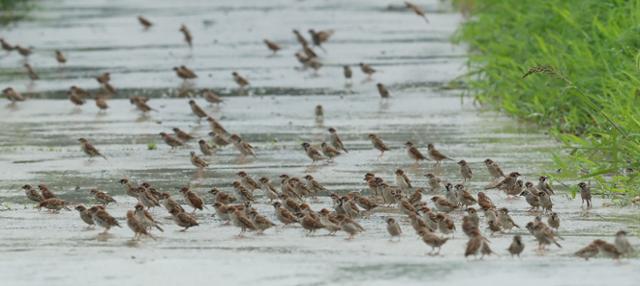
570, 65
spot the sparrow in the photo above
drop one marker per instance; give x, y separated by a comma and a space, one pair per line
393, 228
205, 148
169, 203
187, 36
12, 95
349, 226
346, 71
314, 185
216, 127
192, 199
245, 148
516, 247
54, 204
505, 219
335, 140
108, 88
466, 199
505, 183
185, 73
451, 195
312, 152
418, 224
197, 110
272, 46
622, 244
222, 197
211, 96
445, 224
531, 195
284, 215
197, 161
300, 38
102, 218
223, 211
413, 152
477, 243
102, 197
432, 240
310, 222
588, 251
85, 215
130, 188
607, 249
465, 171
310, 54
183, 219
319, 112
545, 201
329, 221
136, 226
388, 193
320, 37
435, 154
442, 204
247, 181
103, 78
329, 150
60, 57
245, 194
32, 194
261, 222
378, 144
382, 90
402, 180
585, 193
218, 140
469, 225
32, 74
349, 206
485, 202
6, 46
76, 96
366, 69
269, 190
364, 202
416, 198
146, 198
144, 22
405, 206
170, 140
543, 234
184, 136
25, 52
240, 80
145, 218
554, 221
434, 182
101, 102
142, 105
493, 168
472, 213
543, 185
416, 9
89, 149
494, 226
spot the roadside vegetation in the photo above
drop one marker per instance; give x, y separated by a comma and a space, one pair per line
572, 66
12, 10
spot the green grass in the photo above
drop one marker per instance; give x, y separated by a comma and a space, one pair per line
13, 10
585, 85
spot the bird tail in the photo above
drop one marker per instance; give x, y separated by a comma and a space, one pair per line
104, 157
425, 19
159, 228
556, 243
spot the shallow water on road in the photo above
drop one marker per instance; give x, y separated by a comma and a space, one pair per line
38, 144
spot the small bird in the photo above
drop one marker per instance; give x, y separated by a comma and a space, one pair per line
239, 219
466, 199
136, 226
54, 204
60, 58
416, 9
312, 152
222, 197
485, 202
197, 161
184, 136
545, 201
101, 102
494, 169
465, 171
506, 183
320, 37
283, 214
300, 38
364, 202
543, 185
89, 149
183, 219
505, 220
516, 246
102, 218
531, 196
104, 78
25, 52
12, 95
245, 148
211, 96
366, 69
314, 185
46, 193
319, 112
543, 234
434, 182
32, 194
144, 22
445, 223
310, 222
622, 244
216, 127
585, 193
205, 148
170, 140
413, 152
102, 197
245, 195
240, 80
6, 46
76, 96
442, 204
329, 150
349, 226
261, 222
247, 181
197, 110
494, 226
393, 228
477, 243
272, 46
169, 203
554, 221
187, 36
32, 74
432, 240
402, 179
145, 218
346, 71
378, 144
269, 190
85, 215
607, 249
382, 90
588, 251
336, 142
142, 105
435, 154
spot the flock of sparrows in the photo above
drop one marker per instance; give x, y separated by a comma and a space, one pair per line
431, 219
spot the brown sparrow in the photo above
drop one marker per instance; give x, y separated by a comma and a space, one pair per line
402, 180
364, 202
588, 251
329, 150
545, 201
169, 203
269, 190
505, 219
477, 243
494, 226
505, 183
32, 194
145, 218
312, 152
77, 95
53, 204
216, 127
283, 214
130, 188
329, 221
300, 38
435, 154
314, 185
197, 161
469, 225
12, 95
101, 102
622, 244
445, 224
185, 73
346, 70
466, 199
85, 216
142, 106
247, 181
393, 228
32, 74
272, 46
366, 69
451, 195
240, 80
170, 140
187, 34
378, 144
102, 218
416, 9
197, 110
211, 96
543, 234
465, 171
493, 168
349, 226
25, 52
46, 193
543, 185
103, 78
146, 198
382, 90
554, 221
89, 149
261, 222
531, 195
136, 226
219, 140
442, 204
184, 136
192, 199
413, 152
205, 148
245, 148
310, 223
485, 202
434, 182
416, 198
183, 219
144, 22
222, 197
607, 249
6, 46
335, 140
102, 197
516, 246
585, 193
432, 240
320, 37
245, 195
